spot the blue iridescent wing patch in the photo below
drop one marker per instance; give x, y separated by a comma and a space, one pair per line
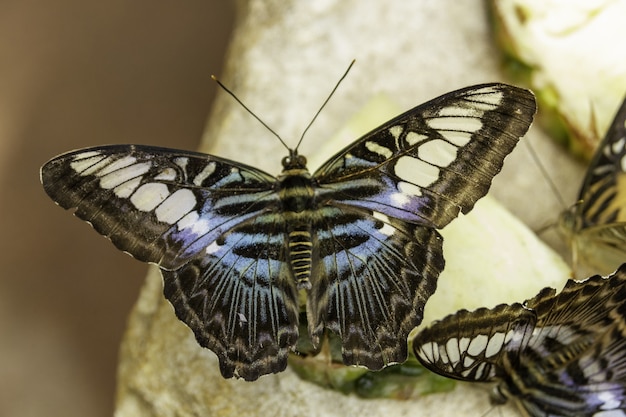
596, 225
236, 246
555, 355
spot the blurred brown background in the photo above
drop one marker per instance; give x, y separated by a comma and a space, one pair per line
74, 74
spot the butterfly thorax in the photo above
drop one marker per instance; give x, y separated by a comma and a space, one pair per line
297, 197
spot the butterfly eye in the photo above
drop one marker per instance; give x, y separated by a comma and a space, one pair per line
294, 161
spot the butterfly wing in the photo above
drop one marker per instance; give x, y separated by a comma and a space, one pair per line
430, 163
470, 346
385, 195
374, 276
204, 221
601, 202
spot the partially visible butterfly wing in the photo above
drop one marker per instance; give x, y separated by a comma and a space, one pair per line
576, 361
372, 281
208, 223
582, 307
430, 163
596, 225
470, 346
571, 359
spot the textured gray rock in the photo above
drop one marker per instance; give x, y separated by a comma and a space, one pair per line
284, 58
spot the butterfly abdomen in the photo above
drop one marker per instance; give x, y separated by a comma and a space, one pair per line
300, 250
296, 194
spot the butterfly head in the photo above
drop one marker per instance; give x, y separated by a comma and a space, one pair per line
294, 161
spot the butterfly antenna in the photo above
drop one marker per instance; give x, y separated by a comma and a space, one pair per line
249, 111
324, 104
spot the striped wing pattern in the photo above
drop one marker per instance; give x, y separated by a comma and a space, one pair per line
236, 246
555, 355
596, 224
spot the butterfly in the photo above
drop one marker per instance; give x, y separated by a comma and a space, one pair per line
596, 225
237, 246
555, 355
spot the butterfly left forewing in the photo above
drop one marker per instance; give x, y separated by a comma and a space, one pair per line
470, 346
160, 205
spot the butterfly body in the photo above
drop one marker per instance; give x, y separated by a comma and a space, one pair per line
554, 355
236, 245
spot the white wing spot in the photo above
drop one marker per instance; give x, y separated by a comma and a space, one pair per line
122, 175
455, 112
427, 350
412, 138
622, 163
464, 343
495, 345
177, 205
212, 248
452, 348
618, 145
480, 370
149, 195
415, 171
406, 188
458, 122
117, 165
387, 229
610, 401
168, 174
89, 166
457, 138
182, 162
477, 345
443, 355
125, 190
192, 221
396, 131
378, 149
468, 361
487, 98
188, 221
437, 152
204, 174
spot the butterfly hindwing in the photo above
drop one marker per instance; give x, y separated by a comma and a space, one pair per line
373, 281
572, 360
240, 299
237, 246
